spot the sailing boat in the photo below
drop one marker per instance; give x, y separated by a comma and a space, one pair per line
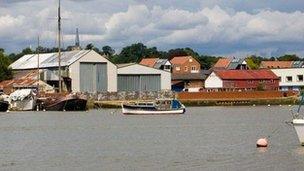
298, 122
62, 101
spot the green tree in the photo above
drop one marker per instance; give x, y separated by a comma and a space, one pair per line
208, 61
135, 52
5, 72
108, 51
289, 58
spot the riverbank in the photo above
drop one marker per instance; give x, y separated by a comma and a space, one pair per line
219, 102
217, 99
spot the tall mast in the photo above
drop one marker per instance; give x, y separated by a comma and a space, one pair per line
59, 47
38, 66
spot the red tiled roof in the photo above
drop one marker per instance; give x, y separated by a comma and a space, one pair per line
245, 74
150, 62
276, 64
180, 59
222, 63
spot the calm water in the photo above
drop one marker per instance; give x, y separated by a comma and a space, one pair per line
206, 138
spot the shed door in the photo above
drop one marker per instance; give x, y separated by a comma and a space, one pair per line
93, 77
150, 83
139, 83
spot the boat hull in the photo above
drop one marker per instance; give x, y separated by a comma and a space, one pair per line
298, 124
23, 105
127, 110
68, 105
4, 105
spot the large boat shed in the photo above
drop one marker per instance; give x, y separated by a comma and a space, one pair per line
82, 70
137, 77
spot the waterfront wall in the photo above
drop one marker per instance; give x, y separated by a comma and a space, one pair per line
130, 95
235, 95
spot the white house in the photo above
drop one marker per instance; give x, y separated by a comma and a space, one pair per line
137, 77
82, 70
290, 78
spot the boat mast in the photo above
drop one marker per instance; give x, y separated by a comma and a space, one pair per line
38, 66
59, 47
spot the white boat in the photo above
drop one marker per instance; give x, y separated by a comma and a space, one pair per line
23, 100
298, 124
157, 107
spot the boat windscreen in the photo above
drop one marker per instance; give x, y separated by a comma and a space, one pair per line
176, 104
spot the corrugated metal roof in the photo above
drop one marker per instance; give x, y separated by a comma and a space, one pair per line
160, 62
47, 60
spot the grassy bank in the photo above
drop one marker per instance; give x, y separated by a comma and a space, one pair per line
201, 102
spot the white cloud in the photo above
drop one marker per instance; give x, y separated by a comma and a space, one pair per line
213, 29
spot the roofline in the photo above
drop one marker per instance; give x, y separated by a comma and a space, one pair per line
144, 66
244, 79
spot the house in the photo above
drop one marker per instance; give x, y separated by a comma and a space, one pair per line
281, 64
290, 73
185, 64
137, 77
276, 64
231, 80
231, 64
157, 63
82, 70
192, 82
186, 74
290, 78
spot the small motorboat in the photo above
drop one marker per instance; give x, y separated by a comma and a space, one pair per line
298, 123
23, 100
67, 102
157, 107
4, 102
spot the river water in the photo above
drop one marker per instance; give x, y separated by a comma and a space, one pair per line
205, 138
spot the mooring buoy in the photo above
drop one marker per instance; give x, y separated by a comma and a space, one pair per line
262, 142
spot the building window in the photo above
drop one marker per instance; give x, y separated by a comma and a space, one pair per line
167, 67
300, 78
280, 79
193, 68
289, 79
186, 68
177, 68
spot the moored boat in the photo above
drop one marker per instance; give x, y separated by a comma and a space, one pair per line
298, 123
4, 105
157, 107
23, 100
69, 102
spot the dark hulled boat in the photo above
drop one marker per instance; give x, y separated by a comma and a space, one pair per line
69, 102
4, 105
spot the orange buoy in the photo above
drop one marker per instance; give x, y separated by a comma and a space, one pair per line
262, 142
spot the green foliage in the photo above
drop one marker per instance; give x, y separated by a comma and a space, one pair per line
207, 61
134, 53
5, 72
108, 51
289, 58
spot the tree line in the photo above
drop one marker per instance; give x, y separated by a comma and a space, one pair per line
134, 53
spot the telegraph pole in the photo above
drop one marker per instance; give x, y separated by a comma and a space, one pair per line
59, 48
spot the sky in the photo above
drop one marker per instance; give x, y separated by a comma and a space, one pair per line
213, 27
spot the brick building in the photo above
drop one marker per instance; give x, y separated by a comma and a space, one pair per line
185, 64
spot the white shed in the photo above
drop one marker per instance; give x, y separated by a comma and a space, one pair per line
137, 77
213, 81
82, 70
